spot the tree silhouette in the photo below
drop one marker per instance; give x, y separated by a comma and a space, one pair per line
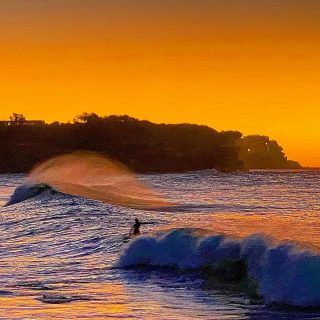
17, 119
86, 118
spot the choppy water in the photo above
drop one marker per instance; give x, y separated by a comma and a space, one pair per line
60, 248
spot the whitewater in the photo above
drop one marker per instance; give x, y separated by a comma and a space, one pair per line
222, 246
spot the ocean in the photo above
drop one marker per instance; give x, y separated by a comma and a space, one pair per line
63, 256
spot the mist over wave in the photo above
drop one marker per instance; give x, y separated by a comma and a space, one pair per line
92, 176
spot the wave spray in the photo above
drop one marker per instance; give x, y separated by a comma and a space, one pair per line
93, 176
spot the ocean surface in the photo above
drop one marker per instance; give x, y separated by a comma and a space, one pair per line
63, 256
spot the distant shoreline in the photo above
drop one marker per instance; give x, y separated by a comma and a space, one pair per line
140, 145
286, 170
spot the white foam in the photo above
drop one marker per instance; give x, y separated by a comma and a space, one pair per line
283, 274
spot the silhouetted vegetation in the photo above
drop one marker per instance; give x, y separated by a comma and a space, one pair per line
17, 119
141, 145
259, 152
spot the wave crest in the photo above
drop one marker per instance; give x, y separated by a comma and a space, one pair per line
283, 274
93, 176
27, 191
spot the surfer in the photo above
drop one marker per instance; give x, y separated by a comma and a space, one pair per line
135, 230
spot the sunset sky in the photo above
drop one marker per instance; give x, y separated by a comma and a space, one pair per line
247, 65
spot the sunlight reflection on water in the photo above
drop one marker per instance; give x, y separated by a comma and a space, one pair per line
59, 248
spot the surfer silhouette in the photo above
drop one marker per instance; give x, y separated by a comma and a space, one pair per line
135, 230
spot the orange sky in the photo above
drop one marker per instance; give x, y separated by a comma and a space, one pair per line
246, 65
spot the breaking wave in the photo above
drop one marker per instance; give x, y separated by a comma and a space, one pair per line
282, 273
28, 191
92, 176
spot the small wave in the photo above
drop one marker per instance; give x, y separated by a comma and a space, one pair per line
6, 293
28, 191
34, 285
60, 299
283, 274
92, 176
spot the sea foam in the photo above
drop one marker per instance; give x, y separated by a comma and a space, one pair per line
283, 274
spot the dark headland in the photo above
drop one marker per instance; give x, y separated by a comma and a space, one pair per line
142, 146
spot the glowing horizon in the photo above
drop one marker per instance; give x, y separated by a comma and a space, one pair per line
246, 66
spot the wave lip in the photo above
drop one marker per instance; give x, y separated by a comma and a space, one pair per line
283, 274
27, 191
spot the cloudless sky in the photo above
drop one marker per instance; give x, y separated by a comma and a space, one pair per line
244, 65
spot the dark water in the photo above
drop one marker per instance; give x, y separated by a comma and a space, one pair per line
59, 252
